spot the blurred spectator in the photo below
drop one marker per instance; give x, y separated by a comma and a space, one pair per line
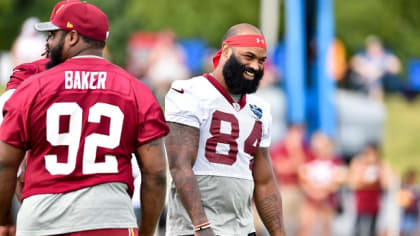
29, 45
368, 177
287, 157
375, 69
409, 199
320, 179
139, 47
166, 64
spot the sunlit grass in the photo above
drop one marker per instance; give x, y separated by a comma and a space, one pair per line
402, 140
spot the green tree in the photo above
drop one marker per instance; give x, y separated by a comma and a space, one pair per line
394, 21
187, 18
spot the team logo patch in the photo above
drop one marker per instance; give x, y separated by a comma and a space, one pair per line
256, 110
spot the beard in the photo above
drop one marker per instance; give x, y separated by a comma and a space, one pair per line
233, 73
55, 54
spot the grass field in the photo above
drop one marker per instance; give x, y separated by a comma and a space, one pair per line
402, 140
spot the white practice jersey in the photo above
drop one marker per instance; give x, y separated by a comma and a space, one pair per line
230, 132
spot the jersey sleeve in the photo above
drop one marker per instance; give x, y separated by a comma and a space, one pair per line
23, 71
151, 119
3, 99
266, 128
14, 128
182, 106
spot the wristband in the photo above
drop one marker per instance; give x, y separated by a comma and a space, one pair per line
202, 226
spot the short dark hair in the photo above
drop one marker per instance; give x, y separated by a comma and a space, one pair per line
93, 42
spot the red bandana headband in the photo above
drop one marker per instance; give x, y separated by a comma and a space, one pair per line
241, 41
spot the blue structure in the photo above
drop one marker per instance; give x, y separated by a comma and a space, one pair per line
325, 85
195, 50
413, 73
310, 89
295, 73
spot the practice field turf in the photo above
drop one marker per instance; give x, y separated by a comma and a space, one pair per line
402, 140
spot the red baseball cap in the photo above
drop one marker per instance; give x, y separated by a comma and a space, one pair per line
85, 18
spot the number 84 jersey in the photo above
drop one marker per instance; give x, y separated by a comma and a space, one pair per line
230, 132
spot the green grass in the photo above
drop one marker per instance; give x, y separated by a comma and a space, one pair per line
402, 137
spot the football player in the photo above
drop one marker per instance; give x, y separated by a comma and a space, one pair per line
218, 145
80, 121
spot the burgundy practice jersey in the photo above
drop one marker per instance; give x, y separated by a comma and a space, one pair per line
80, 121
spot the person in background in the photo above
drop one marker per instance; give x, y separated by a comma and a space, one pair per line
320, 178
288, 156
166, 64
368, 178
375, 69
78, 167
20, 73
29, 44
409, 199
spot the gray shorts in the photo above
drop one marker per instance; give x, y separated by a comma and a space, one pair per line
226, 201
102, 206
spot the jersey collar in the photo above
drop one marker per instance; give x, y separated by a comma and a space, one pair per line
219, 87
87, 56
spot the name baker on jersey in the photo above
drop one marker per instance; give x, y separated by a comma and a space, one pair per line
84, 79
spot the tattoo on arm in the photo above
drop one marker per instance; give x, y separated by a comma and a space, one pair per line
182, 145
266, 194
152, 144
270, 211
152, 162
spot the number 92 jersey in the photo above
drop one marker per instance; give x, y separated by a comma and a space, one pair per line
80, 121
230, 132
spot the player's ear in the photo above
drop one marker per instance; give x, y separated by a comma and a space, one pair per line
226, 50
73, 37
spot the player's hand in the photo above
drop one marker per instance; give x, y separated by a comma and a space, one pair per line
205, 232
19, 187
20, 180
